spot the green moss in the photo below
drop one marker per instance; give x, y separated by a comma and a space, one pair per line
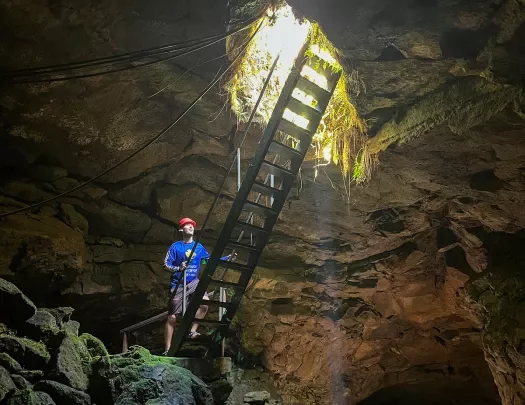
501, 305
94, 345
9, 363
73, 363
30, 397
461, 105
29, 353
140, 377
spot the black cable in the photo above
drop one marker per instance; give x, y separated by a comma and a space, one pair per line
87, 75
28, 75
127, 67
132, 55
103, 60
110, 61
151, 141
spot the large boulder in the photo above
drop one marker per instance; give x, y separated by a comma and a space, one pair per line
30, 397
6, 383
31, 354
9, 363
62, 394
61, 314
138, 377
94, 345
42, 325
71, 365
15, 307
20, 382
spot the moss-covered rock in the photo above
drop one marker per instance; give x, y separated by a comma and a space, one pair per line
15, 307
42, 325
30, 397
32, 375
138, 376
9, 363
20, 382
6, 383
94, 345
461, 105
72, 327
5, 330
61, 314
62, 394
72, 363
31, 354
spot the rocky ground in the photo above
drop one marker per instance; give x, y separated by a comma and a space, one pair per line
44, 361
413, 286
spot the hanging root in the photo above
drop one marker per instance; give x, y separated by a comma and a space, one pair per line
341, 135
364, 166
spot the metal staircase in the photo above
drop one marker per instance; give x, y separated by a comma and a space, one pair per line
270, 176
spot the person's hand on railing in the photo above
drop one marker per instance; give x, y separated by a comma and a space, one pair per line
183, 266
232, 257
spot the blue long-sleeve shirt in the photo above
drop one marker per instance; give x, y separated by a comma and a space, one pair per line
178, 253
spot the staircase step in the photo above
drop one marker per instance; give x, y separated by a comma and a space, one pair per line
324, 69
235, 266
317, 92
244, 246
249, 228
278, 171
218, 303
211, 322
259, 209
284, 150
302, 135
265, 189
313, 115
227, 284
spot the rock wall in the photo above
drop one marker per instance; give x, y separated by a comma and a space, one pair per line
95, 253
498, 297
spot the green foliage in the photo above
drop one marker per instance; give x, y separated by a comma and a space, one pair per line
94, 345
341, 131
461, 105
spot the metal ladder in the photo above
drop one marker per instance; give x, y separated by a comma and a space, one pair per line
260, 199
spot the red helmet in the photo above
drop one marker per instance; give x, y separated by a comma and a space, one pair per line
185, 221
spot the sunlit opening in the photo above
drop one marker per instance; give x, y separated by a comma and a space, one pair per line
327, 153
304, 98
281, 34
298, 120
323, 54
340, 136
314, 77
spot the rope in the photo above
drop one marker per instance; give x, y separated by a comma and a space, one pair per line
219, 192
151, 141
